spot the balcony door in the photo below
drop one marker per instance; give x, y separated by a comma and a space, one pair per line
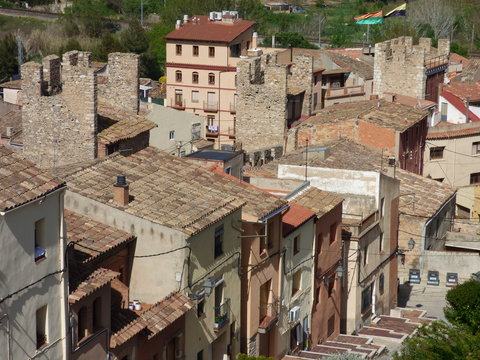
178, 97
211, 100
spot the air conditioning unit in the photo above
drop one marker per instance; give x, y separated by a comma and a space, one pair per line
294, 314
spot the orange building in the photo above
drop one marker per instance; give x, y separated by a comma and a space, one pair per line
202, 57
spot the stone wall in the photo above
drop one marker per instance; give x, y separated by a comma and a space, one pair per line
301, 76
399, 67
59, 129
262, 103
121, 85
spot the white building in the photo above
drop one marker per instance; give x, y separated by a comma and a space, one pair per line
32, 269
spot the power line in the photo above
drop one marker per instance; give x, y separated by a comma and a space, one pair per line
136, 256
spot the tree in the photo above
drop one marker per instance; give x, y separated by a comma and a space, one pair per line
463, 306
440, 341
90, 15
134, 39
8, 57
108, 44
435, 15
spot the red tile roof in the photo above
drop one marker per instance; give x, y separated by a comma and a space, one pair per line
447, 134
21, 181
294, 217
459, 105
82, 287
92, 238
464, 90
455, 58
210, 31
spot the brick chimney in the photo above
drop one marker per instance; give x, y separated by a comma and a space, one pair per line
391, 167
121, 191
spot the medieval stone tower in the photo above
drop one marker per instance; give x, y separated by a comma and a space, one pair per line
413, 70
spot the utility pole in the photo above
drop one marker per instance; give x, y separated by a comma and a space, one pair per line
321, 19
19, 54
141, 12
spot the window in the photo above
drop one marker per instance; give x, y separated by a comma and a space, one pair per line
211, 51
200, 355
195, 77
320, 242
476, 148
178, 49
82, 331
367, 298
381, 245
382, 207
195, 96
436, 153
97, 314
264, 299
270, 234
40, 241
171, 135
439, 179
235, 50
444, 111
178, 76
210, 120
333, 233
296, 244
331, 286
475, 178
195, 50
218, 297
178, 97
381, 284
196, 131
219, 241
41, 319
331, 325
296, 282
365, 255
317, 294
211, 79
228, 170
201, 308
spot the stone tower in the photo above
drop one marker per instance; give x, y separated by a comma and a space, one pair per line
403, 68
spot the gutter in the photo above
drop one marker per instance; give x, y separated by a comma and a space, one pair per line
272, 214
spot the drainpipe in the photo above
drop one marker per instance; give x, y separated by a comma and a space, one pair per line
467, 109
5, 316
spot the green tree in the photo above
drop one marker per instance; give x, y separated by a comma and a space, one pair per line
286, 39
440, 341
463, 306
90, 15
8, 57
157, 47
108, 44
135, 39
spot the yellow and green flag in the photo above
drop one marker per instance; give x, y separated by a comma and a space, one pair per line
370, 19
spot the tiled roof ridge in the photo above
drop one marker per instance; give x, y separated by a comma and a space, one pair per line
82, 286
454, 133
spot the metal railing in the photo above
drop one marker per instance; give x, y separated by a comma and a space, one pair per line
210, 106
221, 314
177, 104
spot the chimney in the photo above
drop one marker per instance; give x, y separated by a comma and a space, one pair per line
120, 191
254, 40
392, 165
178, 24
185, 19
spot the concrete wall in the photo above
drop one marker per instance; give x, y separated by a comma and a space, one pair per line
19, 269
462, 263
302, 261
173, 120
12, 96
458, 160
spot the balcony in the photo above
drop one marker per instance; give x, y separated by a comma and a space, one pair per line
212, 131
177, 104
210, 106
221, 315
345, 91
436, 64
233, 108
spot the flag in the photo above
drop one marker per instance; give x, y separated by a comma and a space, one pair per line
398, 11
369, 19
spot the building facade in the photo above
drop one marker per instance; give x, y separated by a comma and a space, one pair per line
202, 57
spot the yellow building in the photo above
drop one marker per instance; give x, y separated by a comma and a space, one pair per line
202, 57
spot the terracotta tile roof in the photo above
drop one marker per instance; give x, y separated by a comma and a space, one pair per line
294, 217
165, 189
210, 31
14, 84
166, 312
115, 125
411, 101
455, 58
21, 181
358, 65
320, 201
92, 238
258, 202
11, 119
459, 105
462, 90
347, 154
126, 323
470, 72
388, 115
83, 286
454, 131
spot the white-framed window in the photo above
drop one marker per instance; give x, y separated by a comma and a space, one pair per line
195, 96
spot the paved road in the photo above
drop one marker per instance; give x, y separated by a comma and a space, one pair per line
429, 298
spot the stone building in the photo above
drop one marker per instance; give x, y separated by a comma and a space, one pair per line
274, 90
72, 114
407, 69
